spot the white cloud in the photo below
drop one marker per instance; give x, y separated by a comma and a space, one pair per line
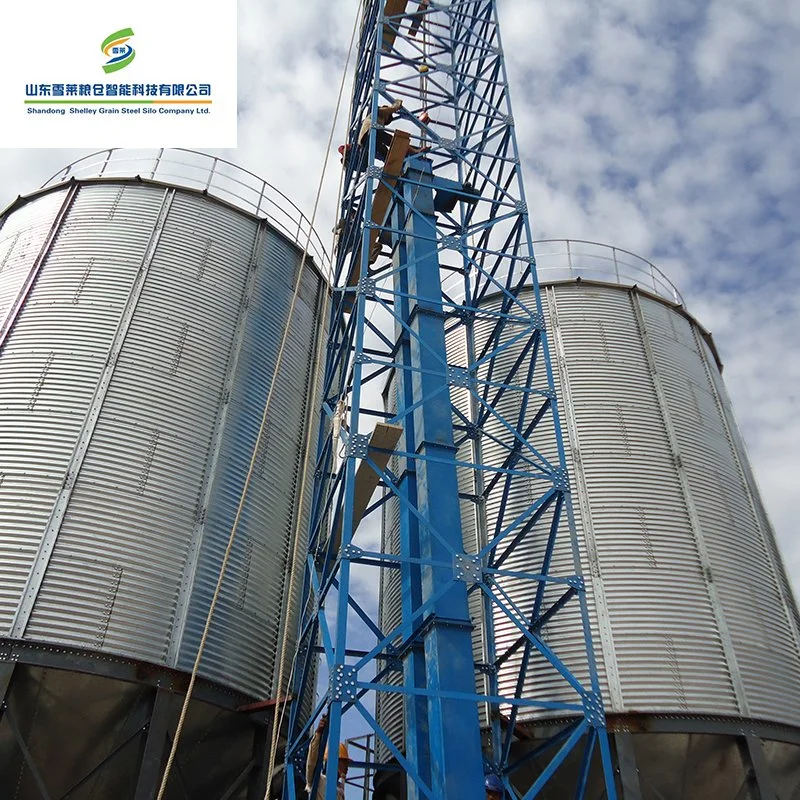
669, 129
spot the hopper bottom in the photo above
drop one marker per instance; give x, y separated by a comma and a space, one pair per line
77, 725
665, 758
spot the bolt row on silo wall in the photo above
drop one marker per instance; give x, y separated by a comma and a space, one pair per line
689, 604
134, 380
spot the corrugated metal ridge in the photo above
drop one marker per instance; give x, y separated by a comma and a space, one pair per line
113, 581
637, 722
765, 532
608, 669
50, 535
761, 679
301, 508
161, 675
22, 200
704, 332
688, 492
649, 425
27, 284
243, 641
187, 585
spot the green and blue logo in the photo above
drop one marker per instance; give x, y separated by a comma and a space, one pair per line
119, 52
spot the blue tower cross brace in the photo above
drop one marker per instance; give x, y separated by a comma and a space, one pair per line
438, 413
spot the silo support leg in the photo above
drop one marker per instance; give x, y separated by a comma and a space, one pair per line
6, 672
26, 754
755, 762
628, 770
257, 783
240, 780
153, 755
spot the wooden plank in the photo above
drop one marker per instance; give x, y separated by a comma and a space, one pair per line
263, 704
383, 194
416, 19
391, 9
385, 437
381, 200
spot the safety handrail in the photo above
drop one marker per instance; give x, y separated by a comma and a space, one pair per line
579, 258
200, 171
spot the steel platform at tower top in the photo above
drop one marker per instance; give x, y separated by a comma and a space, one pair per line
424, 239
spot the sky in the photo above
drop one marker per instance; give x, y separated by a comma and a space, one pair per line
668, 129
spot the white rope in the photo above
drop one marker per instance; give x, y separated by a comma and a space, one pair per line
248, 478
340, 411
339, 418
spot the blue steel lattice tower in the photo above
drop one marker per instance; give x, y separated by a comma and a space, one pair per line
424, 238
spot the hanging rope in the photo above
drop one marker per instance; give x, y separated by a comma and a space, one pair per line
423, 81
295, 563
248, 478
339, 420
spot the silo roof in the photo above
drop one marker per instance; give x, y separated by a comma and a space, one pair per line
197, 172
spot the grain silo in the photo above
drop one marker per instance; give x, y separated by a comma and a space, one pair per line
143, 300
695, 629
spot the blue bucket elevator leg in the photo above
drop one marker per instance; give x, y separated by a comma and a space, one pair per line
436, 293
423, 386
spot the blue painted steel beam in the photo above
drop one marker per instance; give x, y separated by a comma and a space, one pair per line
455, 753
466, 274
415, 706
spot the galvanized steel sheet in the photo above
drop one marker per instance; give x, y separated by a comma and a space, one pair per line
690, 608
131, 389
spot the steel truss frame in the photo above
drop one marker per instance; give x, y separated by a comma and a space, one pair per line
451, 313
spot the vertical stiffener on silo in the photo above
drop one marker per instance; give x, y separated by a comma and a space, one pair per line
142, 304
695, 627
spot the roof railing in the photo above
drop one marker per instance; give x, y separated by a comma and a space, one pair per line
206, 173
565, 259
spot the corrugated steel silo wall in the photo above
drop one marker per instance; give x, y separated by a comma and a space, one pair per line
693, 616
131, 389
564, 632
690, 608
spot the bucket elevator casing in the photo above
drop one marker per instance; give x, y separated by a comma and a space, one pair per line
142, 302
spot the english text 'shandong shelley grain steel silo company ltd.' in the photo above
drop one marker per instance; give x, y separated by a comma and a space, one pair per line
143, 299
695, 628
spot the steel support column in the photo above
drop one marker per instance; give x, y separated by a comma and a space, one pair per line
628, 769
751, 750
154, 746
434, 288
6, 673
257, 781
416, 707
26, 754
